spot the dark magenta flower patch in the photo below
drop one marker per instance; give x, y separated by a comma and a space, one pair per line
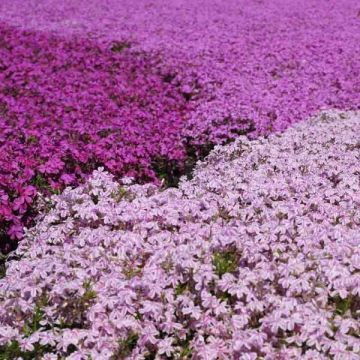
68, 106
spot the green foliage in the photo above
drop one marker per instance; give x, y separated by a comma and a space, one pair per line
170, 171
2, 270
119, 46
223, 296
125, 346
185, 346
89, 294
33, 140
225, 262
119, 194
167, 265
130, 271
342, 306
74, 315
2, 264
185, 352
105, 132
42, 184
181, 289
12, 351
33, 325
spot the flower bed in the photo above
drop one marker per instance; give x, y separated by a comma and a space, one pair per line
270, 62
257, 257
179, 80
68, 106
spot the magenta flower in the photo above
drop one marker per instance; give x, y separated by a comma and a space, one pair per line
15, 231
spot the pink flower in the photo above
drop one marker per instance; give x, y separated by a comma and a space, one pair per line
15, 232
165, 346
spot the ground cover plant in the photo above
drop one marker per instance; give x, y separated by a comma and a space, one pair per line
67, 107
257, 257
180, 73
272, 62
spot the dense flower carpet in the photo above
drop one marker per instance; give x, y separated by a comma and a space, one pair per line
143, 88
179, 179
257, 257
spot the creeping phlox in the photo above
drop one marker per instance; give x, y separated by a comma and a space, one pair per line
256, 257
227, 68
69, 106
270, 63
